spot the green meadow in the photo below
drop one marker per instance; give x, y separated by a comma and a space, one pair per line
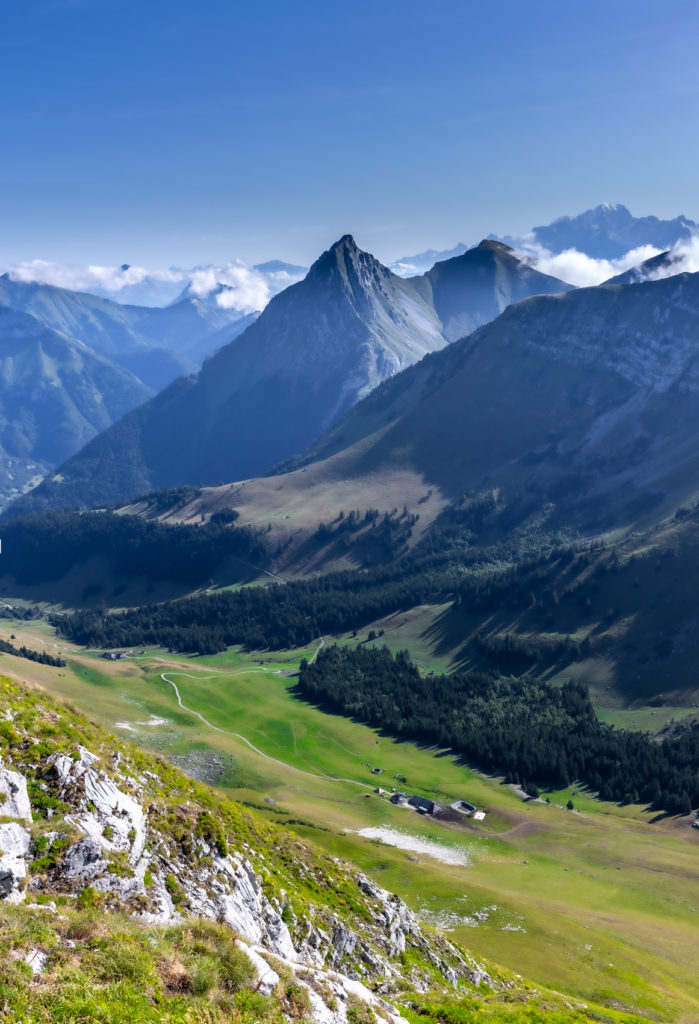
599, 902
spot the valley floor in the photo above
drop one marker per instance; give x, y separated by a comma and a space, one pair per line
601, 902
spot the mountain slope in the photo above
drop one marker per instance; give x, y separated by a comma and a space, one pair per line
472, 289
586, 399
95, 824
317, 349
153, 343
55, 395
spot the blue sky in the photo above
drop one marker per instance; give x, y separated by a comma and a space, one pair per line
164, 131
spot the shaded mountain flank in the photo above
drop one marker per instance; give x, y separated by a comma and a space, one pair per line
155, 344
55, 395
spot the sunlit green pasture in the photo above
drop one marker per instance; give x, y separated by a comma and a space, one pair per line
598, 902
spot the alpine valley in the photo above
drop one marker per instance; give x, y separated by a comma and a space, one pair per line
350, 675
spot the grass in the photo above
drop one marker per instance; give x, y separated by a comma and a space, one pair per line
112, 969
596, 902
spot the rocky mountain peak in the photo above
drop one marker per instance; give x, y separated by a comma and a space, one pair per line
492, 245
341, 252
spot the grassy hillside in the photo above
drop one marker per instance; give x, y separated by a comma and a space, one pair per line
69, 953
593, 902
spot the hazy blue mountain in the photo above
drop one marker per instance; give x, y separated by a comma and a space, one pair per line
272, 267
55, 395
155, 344
156, 289
409, 266
472, 289
211, 343
610, 230
317, 349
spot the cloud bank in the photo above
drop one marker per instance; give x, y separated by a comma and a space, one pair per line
582, 270
75, 278
233, 286
577, 267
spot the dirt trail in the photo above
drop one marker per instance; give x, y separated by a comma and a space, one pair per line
244, 739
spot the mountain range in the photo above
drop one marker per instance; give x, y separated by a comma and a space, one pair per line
137, 286
609, 231
587, 398
156, 344
318, 348
55, 394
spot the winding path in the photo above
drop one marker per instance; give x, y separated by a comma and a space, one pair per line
244, 739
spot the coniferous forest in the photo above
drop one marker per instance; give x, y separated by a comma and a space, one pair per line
536, 733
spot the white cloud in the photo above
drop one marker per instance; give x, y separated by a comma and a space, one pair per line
684, 258
234, 286
582, 270
577, 267
110, 279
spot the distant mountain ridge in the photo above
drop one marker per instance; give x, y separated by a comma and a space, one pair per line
55, 395
153, 343
317, 348
609, 231
136, 286
421, 262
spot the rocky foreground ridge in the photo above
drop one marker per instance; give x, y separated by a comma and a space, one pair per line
87, 821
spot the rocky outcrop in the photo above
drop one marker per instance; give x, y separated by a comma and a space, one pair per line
14, 850
14, 800
110, 816
119, 840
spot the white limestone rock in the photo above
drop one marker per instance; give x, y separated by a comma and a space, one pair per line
266, 979
14, 850
36, 961
114, 810
14, 799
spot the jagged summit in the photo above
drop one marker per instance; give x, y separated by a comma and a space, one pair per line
341, 251
610, 230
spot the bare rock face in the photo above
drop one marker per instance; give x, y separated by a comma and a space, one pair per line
14, 800
111, 817
14, 850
